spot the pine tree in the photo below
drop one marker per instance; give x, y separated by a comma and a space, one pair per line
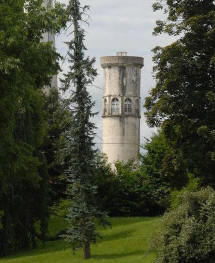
83, 211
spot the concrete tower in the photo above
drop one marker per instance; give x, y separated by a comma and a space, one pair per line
49, 37
121, 106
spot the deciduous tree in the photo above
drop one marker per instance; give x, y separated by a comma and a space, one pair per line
183, 100
26, 66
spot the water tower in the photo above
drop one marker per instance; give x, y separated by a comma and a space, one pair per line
50, 37
121, 106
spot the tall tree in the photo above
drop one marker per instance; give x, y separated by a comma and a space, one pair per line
183, 100
26, 66
83, 211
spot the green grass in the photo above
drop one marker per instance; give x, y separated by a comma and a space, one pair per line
128, 241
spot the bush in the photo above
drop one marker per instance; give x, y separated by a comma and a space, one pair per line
156, 181
188, 231
125, 191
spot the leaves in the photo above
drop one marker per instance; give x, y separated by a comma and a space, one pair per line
181, 103
188, 230
80, 174
26, 65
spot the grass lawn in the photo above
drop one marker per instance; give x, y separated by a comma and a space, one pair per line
127, 241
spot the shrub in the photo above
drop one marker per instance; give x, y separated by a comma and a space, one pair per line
188, 231
125, 191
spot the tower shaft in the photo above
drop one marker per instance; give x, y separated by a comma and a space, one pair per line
121, 107
50, 37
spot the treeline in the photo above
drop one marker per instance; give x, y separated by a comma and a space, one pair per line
44, 138
48, 160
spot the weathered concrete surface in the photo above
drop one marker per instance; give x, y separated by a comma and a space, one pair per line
121, 132
49, 37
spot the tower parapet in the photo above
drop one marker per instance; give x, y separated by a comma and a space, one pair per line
121, 106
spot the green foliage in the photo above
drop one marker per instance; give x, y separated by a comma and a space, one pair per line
156, 182
182, 102
192, 186
61, 208
26, 66
134, 189
120, 192
80, 174
188, 231
58, 121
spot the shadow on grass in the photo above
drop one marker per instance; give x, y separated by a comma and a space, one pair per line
120, 255
115, 236
60, 245
119, 221
51, 246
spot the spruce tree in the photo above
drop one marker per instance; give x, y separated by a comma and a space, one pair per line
83, 211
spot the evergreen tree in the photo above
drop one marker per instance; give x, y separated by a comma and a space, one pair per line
83, 211
183, 101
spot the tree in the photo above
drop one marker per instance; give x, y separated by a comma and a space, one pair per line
134, 188
58, 121
188, 231
182, 102
120, 192
81, 172
156, 182
27, 65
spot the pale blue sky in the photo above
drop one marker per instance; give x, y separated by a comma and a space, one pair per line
120, 25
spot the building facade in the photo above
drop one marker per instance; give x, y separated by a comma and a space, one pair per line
121, 106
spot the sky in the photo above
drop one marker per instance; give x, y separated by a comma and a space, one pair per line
120, 25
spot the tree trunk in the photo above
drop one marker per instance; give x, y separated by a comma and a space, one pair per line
87, 253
